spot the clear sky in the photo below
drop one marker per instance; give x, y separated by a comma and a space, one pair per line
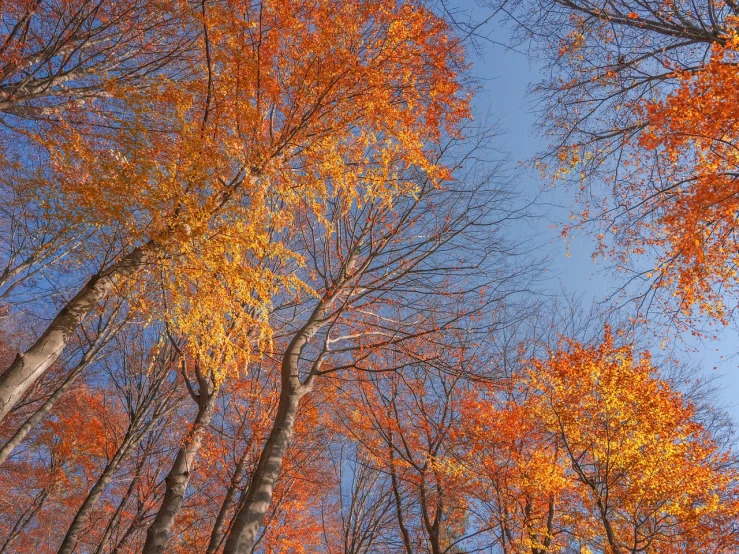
504, 75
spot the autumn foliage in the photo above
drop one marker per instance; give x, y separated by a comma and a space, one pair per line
643, 123
260, 289
590, 450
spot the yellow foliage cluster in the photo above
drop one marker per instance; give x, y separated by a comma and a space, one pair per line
285, 105
592, 447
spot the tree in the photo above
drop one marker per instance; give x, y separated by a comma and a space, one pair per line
409, 427
94, 445
383, 277
639, 98
148, 396
516, 482
372, 86
624, 462
93, 341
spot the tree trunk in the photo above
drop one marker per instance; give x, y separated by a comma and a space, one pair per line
216, 535
70, 539
116, 515
46, 407
432, 528
243, 535
136, 523
249, 519
398, 505
178, 478
30, 365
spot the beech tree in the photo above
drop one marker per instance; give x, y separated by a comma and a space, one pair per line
384, 276
592, 449
96, 435
97, 337
382, 82
263, 287
638, 106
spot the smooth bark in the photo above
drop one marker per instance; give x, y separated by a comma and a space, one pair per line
46, 407
147, 413
31, 364
243, 535
178, 478
246, 526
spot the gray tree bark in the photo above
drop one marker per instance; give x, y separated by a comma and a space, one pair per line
243, 535
249, 519
178, 478
46, 407
31, 364
145, 416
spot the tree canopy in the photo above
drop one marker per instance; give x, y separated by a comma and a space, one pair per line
263, 287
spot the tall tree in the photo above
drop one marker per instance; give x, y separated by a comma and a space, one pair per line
639, 105
595, 450
385, 275
289, 96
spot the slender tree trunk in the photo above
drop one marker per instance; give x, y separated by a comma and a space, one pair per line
219, 527
24, 520
46, 407
398, 506
548, 537
136, 523
246, 526
178, 478
70, 539
243, 535
31, 364
602, 509
115, 520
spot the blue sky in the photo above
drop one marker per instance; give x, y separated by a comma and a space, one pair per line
504, 76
